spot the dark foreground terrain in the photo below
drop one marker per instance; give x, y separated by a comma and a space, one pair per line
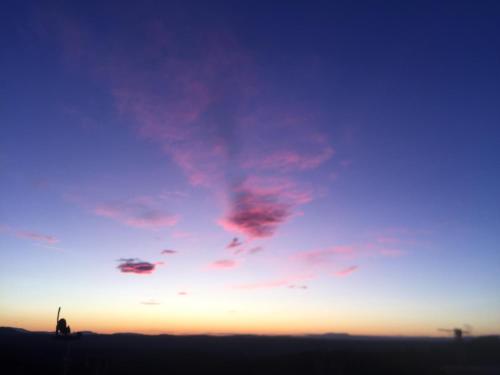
24, 352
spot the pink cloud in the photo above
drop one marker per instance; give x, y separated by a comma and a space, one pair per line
256, 215
176, 102
255, 250
235, 242
38, 237
324, 255
346, 271
192, 104
168, 252
223, 264
182, 293
137, 213
134, 265
258, 211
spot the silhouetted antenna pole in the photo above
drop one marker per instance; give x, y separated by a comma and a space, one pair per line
57, 320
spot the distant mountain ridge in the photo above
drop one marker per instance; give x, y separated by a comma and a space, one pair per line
323, 336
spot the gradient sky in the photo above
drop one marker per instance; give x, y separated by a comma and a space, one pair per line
259, 167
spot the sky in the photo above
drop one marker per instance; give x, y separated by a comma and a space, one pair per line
250, 167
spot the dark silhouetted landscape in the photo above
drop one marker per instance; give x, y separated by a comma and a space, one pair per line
26, 352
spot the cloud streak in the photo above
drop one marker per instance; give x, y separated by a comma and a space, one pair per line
37, 237
137, 213
150, 302
168, 252
277, 283
324, 256
223, 264
346, 271
294, 286
289, 160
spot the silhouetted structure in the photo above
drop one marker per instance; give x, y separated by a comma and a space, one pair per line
457, 332
61, 327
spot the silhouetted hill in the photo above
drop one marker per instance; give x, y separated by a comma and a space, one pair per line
23, 352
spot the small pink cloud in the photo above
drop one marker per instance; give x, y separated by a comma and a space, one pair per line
38, 237
235, 242
134, 265
325, 255
223, 264
255, 250
168, 252
182, 293
346, 271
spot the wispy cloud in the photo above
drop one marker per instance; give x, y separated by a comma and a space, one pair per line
289, 281
41, 239
37, 237
137, 213
150, 302
168, 252
294, 286
182, 293
288, 160
346, 271
207, 109
324, 255
134, 265
255, 250
223, 264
